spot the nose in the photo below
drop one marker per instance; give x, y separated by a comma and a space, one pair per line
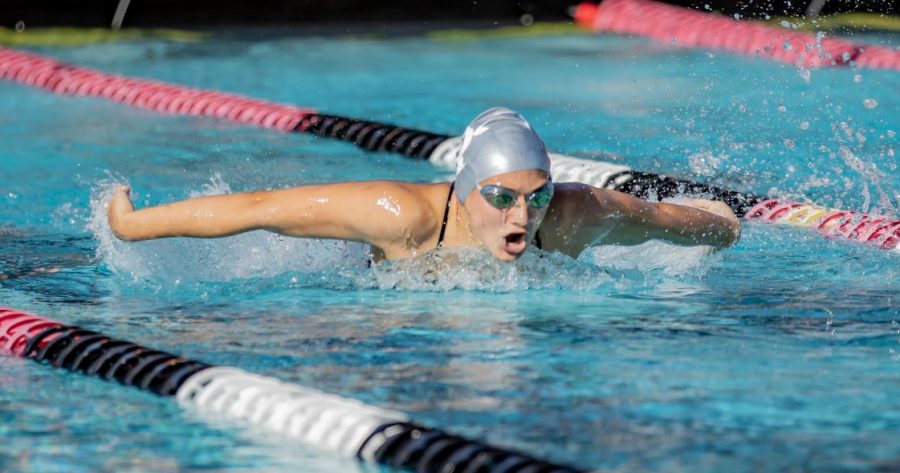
518, 214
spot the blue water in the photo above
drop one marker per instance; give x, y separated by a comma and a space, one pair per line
780, 354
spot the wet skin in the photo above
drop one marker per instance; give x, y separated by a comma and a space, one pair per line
401, 219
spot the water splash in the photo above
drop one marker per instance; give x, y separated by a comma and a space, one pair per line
175, 261
706, 163
476, 269
851, 144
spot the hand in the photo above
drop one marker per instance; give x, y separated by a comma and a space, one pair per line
712, 206
118, 208
719, 208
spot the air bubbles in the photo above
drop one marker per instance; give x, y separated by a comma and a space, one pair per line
870, 103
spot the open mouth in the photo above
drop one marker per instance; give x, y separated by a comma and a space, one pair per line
515, 243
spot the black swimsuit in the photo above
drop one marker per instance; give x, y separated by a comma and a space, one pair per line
446, 214
537, 236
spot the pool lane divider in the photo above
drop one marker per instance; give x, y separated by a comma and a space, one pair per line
688, 28
311, 417
60, 78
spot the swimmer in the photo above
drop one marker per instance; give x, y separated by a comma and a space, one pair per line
503, 199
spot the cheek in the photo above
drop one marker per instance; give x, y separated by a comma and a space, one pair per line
485, 222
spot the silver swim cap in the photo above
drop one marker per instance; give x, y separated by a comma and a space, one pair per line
496, 142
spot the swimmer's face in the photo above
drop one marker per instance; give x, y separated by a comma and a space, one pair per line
507, 233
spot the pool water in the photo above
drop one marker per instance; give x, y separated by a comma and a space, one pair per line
780, 354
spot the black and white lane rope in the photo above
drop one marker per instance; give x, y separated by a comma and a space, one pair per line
308, 416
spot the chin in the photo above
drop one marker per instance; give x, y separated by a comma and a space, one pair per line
505, 256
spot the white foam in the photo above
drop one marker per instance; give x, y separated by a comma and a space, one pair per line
656, 256
476, 269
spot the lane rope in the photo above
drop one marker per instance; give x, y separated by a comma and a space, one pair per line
56, 77
309, 416
684, 27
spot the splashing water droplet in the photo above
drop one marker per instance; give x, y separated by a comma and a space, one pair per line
804, 125
857, 78
845, 56
737, 16
789, 143
787, 43
782, 108
870, 103
805, 74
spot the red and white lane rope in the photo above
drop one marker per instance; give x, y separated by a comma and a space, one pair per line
56, 77
878, 230
693, 29
60, 78
308, 416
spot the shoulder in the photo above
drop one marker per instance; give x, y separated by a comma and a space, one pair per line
575, 198
403, 213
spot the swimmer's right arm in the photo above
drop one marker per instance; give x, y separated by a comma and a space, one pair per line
357, 211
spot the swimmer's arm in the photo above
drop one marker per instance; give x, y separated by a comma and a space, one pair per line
627, 220
356, 211
585, 216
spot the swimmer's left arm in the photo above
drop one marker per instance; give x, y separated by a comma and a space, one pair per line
696, 222
592, 216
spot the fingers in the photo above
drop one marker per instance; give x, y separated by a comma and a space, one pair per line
119, 206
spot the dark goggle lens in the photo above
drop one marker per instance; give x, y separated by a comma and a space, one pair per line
499, 197
503, 198
541, 197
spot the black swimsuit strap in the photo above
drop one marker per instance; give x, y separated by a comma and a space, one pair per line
446, 214
537, 239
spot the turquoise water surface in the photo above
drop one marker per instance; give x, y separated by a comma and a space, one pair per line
781, 354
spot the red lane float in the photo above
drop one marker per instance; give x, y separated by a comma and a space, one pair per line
60, 78
878, 230
879, 57
690, 28
17, 328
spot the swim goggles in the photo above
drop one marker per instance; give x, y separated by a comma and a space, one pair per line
504, 199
